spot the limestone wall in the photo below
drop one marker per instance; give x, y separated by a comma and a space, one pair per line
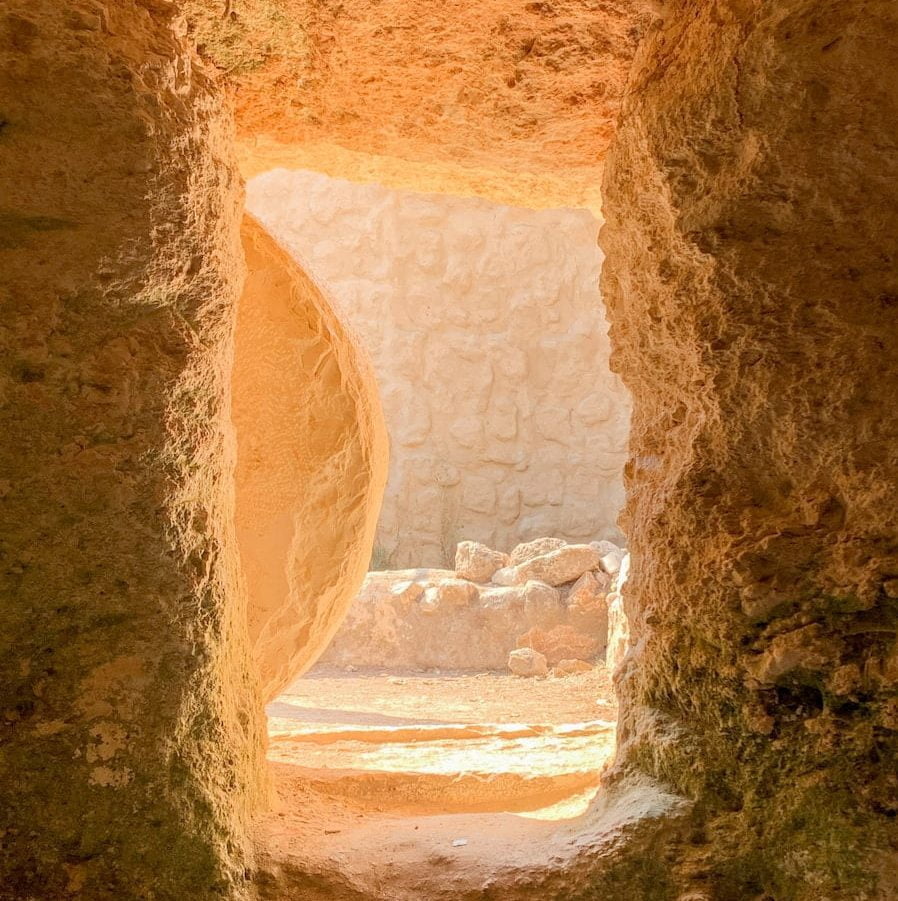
490, 346
751, 239
132, 736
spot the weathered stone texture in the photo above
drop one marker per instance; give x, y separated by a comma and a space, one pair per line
311, 461
565, 564
488, 339
618, 626
434, 619
752, 215
752, 220
527, 550
527, 662
131, 733
476, 561
482, 95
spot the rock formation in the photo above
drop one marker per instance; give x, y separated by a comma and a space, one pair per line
131, 747
439, 86
618, 626
561, 641
527, 550
571, 667
311, 461
477, 562
752, 214
750, 241
130, 691
527, 662
426, 619
564, 564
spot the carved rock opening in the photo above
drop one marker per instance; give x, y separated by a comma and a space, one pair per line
750, 244
132, 734
751, 208
488, 337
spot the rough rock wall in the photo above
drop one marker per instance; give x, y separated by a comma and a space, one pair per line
752, 215
131, 739
311, 461
489, 343
494, 87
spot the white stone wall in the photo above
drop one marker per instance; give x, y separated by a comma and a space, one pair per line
490, 345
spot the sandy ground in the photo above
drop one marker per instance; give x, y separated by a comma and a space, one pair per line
334, 696
385, 779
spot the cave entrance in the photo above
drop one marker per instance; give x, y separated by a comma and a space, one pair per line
464, 707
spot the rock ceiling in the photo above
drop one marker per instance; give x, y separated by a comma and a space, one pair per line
509, 99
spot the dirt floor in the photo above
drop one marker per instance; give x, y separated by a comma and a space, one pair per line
388, 781
333, 696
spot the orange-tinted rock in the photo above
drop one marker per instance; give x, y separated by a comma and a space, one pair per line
560, 643
498, 88
311, 461
527, 662
587, 607
589, 590
476, 561
565, 564
542, 604
132, 734
449, 595
751, 280
751, 215
536, 548
571, 667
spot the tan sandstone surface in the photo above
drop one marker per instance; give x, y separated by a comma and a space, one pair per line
440, 85
131, 743
426, 781
751, 288
311, 461
488, 341
751, 229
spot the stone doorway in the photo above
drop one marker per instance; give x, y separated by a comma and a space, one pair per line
468, 689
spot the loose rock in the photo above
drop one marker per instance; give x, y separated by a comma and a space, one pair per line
504, 576
589, 590
527, 662
560, 643
542, 604
571, 667
559, 566
587, 605
536, 548
611, 562
477, 562
604, 547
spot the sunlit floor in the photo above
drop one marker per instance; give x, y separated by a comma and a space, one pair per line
452, 743
389, 772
